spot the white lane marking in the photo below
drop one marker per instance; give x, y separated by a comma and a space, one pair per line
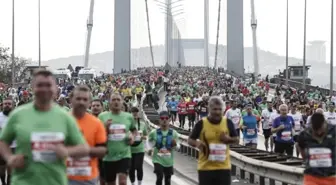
174, 178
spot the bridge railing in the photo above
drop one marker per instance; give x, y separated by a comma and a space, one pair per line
264, 170
291, 83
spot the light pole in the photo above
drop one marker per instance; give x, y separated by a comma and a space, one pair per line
39, 32
304, 44
89, 26
13, 44
332, 49
287, 75
206, 33
254, 38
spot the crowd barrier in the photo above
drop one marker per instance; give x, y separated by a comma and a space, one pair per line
264, 170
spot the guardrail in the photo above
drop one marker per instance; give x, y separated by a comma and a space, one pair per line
265, 170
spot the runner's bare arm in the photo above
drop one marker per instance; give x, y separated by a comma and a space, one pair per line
5, 151
81, 150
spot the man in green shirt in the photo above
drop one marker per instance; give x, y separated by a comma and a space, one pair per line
164, 140
120, 127
45, 135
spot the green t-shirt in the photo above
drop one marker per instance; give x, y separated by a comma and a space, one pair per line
67, 109
33, 130
142, 132
118, 133
164, 160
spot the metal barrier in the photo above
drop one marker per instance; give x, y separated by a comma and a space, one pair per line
264, 170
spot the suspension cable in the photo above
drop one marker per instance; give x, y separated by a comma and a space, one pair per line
218, 25
149, 34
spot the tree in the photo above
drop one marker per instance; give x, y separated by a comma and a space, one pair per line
6, 67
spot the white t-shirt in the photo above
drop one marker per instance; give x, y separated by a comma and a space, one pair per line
272, 118
267, 122
330, 117
3, 122
234, 115
298, 120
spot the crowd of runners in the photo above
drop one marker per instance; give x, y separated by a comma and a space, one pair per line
97, 129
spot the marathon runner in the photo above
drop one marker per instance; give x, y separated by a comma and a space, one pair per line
138, 148
215, 134
8, 106
317, 147
45, 134
121, 130
84, 171
164, 140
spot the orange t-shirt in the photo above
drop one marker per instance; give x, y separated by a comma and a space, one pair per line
94, 133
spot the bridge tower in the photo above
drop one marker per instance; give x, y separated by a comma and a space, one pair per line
235, 36
122, 35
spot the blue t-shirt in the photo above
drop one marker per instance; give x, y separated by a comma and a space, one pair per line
173, 105
250, 132
285, 135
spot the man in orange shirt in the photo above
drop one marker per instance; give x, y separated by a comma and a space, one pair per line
84, 171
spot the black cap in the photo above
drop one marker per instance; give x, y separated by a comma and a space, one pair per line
163, 113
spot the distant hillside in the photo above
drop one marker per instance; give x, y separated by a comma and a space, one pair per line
270, 63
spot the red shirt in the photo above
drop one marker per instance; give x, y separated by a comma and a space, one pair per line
191, 107
182, 108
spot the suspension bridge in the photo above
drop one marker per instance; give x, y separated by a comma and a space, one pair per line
185, 165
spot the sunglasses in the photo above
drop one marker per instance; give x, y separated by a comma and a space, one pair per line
164, 117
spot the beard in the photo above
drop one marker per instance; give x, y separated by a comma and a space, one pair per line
6, 111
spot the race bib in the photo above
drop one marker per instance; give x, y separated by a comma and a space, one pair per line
163, 152
320, 157
235, 120
184, 110
40, 141
117, 132
217, 152
191, 107
203, 109
139, 136
251, 132
79, 167
286, 135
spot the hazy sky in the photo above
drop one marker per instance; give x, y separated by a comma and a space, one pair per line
64, 25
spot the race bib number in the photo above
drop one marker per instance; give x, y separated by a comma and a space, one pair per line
163, 152
297, 126
183, 110
139, 136
191, 107
117, 132
203, 109
251, 132
286, 135
217, 152
79, 167
320, 157
235, 120
41, 141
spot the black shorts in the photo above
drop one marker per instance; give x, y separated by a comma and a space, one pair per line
214, 177
137, 160
267, 133
101, 168
112, 168
295, 138
166, 171
282, 148
238, 132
